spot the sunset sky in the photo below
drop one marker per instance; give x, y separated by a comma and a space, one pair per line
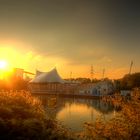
71, 35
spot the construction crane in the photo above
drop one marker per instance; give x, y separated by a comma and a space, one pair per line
18, 72
28, 72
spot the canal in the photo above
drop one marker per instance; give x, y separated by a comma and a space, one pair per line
74, 112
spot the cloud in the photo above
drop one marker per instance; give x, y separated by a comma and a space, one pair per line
105, 59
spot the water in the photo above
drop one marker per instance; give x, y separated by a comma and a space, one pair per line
74, 112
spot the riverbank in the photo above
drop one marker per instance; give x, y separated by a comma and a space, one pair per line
82, 96
125, 125
22, 116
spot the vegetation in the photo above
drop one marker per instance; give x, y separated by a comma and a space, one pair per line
22, 117
124, 126
83, 80
15, 83
129, 81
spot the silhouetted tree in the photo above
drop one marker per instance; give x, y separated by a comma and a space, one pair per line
130, 81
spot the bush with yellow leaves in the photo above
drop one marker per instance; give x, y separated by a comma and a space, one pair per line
125, 126
22, 117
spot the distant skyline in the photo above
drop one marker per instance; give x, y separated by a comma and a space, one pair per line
71, 35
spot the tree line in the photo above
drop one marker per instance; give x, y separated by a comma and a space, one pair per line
128, 82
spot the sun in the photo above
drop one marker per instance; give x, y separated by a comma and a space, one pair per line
3, 64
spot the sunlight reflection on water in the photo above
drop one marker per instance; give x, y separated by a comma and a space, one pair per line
73, 112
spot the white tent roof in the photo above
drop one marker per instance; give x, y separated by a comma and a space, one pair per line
38, 73
48, 77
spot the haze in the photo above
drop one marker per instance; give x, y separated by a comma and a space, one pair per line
71, 35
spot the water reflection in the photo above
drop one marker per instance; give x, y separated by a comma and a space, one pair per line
73, 112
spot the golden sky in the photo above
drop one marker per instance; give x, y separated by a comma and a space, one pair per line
31, 60
71, 35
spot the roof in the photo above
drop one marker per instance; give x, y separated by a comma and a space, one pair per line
48, 77
38, 72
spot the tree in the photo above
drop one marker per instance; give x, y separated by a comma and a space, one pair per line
130, 81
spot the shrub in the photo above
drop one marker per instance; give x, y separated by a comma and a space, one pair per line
125, 126
22, 117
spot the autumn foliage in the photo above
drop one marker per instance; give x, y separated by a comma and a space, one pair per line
22, 117
124, 126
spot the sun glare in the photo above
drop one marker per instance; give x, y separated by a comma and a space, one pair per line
3, 64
